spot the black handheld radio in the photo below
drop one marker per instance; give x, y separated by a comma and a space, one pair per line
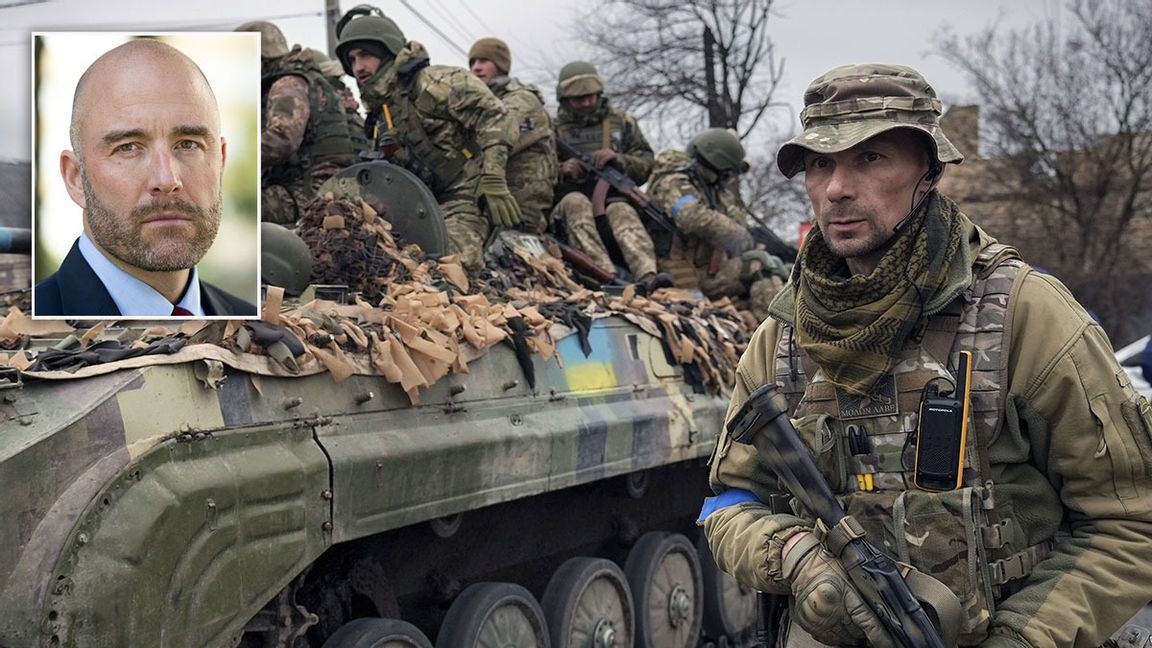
942, 432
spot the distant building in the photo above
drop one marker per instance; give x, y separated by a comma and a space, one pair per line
979, 186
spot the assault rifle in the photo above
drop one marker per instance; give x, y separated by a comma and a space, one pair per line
612, 177
762, 422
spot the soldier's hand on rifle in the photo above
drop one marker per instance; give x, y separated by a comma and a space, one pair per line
828, 606
603, 157
494, 194
573, 168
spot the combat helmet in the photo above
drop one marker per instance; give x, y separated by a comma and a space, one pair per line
718, 148
272, 41
285, 259
577, 79
366, 27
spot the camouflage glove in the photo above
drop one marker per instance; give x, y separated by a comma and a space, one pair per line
758, 263
827, 604
502, 208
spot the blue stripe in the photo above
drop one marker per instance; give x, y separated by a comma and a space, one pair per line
730, 497
679, 204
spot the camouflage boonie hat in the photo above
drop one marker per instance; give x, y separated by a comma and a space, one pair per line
852, 103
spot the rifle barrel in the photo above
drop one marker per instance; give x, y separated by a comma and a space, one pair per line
763, 422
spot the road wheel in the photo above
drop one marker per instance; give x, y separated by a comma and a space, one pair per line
494, 615
729, 607
377, 633
664, 574
588, 605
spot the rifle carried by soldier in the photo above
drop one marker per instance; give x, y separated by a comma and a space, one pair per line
612, 178
763, 423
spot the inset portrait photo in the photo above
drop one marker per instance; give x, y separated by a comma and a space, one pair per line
146, 175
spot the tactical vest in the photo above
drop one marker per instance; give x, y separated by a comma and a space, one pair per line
325, 139
862, 445
611, 132
436, 168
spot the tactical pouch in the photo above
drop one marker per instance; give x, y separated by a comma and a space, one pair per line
821, 441
939, 535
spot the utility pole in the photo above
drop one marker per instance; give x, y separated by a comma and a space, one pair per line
331, 16
715, 112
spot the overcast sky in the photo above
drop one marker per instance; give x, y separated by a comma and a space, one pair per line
811, 35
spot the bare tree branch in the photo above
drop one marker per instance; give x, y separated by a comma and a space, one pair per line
652, 53
1068, 113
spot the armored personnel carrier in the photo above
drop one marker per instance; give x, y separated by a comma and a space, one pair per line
468, 466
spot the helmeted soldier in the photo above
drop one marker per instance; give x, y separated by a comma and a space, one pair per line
588, 122
305, 137
1030, 499
713, 248
440, 122
532, 163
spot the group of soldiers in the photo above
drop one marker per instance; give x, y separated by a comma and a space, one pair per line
487, 148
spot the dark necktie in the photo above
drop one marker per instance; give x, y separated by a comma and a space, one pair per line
179, 311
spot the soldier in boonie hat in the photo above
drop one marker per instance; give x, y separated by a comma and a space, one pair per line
852, 103
896, 293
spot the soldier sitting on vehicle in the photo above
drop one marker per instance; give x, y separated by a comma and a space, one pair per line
305, 137
439, 122
532, 161
695, 188
587, 121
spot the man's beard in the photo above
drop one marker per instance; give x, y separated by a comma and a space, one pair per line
121, 236
871, 242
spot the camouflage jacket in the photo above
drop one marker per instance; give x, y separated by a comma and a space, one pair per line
304, 121
604, 127
707, 216
1064, 439
450, 125
532, 162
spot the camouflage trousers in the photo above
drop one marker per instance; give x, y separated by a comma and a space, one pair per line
285, 203
575, 209
467, 231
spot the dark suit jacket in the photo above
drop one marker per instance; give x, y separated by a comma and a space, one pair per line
75, 289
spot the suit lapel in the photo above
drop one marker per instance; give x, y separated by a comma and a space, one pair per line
81, 291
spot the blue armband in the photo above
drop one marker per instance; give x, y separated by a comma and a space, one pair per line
730, 497
679, 204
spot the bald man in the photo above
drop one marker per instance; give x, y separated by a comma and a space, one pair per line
146, 165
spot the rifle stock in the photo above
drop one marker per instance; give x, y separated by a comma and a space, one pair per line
763, 423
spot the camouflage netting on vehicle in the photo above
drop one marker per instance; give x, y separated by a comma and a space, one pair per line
411, 319
353, 246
